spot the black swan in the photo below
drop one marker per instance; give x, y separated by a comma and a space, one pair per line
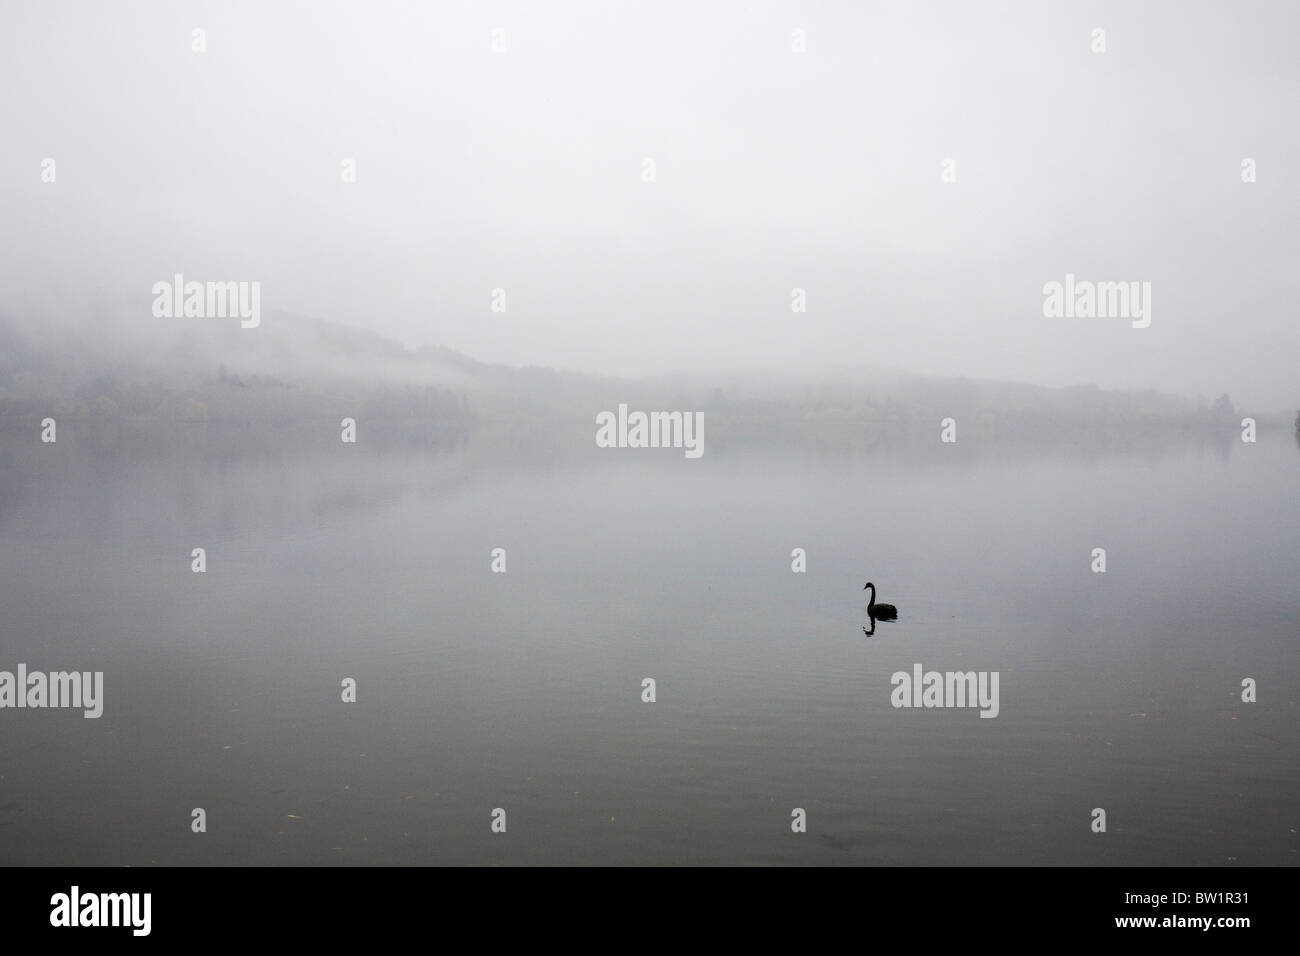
885, 612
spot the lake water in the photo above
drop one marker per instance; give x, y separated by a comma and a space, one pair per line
523, 690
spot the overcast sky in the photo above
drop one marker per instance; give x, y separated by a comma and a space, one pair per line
523, 170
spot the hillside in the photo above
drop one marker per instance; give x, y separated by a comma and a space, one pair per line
299, 367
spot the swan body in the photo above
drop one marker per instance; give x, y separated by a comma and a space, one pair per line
884, 612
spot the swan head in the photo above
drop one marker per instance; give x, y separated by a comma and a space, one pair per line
867, 585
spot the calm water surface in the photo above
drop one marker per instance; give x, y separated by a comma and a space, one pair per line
523, 690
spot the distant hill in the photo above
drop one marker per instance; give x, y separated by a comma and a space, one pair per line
133, 366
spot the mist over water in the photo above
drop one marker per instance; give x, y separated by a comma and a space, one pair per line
348, 318
522, 690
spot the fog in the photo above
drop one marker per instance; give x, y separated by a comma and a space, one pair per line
523, 170
550, 464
